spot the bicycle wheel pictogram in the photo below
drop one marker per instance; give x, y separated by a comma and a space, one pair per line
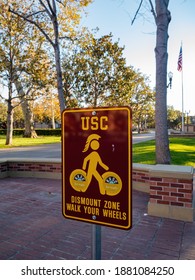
78, 180
112, 183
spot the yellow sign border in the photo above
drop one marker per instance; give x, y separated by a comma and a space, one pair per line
128, 109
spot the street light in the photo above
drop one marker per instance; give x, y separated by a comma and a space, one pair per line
187, 113
170, 76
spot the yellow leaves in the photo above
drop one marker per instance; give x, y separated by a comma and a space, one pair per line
70, 13
45, 107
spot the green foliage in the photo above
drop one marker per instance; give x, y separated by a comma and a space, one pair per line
173, 118
95, 71
3, 113
40, 132
3, 132
16, 132
95, 74
48, 132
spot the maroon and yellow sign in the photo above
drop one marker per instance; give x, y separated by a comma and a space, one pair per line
96, 163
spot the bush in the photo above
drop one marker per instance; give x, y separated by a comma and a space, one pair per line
18, 132
40, 132
2, 131
48, 132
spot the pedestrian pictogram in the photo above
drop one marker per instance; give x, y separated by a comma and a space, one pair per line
96, 161
109, 182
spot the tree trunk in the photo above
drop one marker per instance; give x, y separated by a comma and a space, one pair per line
53, 125
163, 18
10, 119
9, 134
56, 47
29, 131
59, 78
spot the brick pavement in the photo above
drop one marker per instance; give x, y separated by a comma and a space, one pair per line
32, 227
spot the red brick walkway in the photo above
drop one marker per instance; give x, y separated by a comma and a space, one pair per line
32, 227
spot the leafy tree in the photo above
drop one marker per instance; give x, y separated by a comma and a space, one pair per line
46, 109
55, 19
10, 42
142, 101
34, 80
18, 117
95, 72
133, 89
174, 118
21, 53
3, 114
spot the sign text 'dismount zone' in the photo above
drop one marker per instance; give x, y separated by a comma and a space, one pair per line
97, 166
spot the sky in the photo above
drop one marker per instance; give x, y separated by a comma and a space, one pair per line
139, 39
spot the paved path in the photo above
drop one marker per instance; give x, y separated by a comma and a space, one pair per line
137, 138
41, 151
53, 150
32, 227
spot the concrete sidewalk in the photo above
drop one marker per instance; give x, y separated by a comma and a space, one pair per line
40, 151
53, 150
32, 227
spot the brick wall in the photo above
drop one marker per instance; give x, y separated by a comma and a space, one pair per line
171, 191
168, 186
3, 168
39, 168
33, 166
167, 189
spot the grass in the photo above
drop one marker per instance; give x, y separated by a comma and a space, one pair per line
21, 142
144, 152
182, 151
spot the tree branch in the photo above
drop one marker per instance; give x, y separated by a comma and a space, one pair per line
137, 12
1, 96
152, 9
67, 38
33, 14
46, 9
33, 22
59, 1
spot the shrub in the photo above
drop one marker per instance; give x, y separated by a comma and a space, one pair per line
48, 132
40, 132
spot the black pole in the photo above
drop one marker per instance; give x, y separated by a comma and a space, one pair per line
96, 242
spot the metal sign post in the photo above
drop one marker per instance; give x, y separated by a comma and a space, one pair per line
96, 242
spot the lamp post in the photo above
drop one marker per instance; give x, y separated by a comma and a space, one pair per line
187, 113
170, 76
